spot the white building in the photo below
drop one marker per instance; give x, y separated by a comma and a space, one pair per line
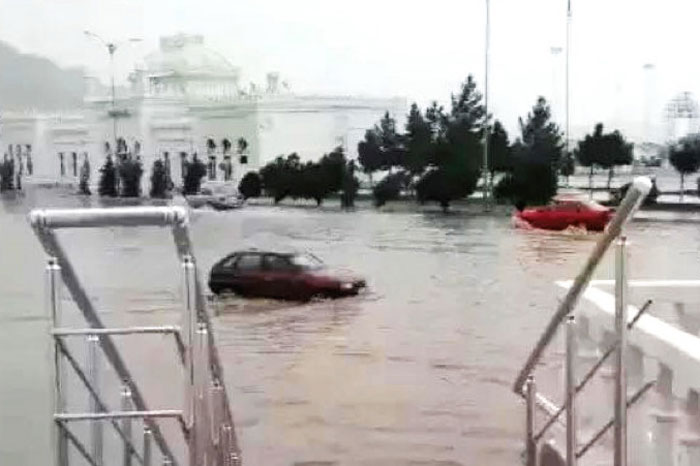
183, 95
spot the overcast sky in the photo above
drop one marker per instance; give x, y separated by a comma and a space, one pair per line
417, 49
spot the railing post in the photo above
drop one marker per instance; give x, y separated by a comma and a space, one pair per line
147, 441
126, 423
202, 426
571, 439
93, 368
225, 445
53, 304
530, 444
620, 433
189, 327
217, 412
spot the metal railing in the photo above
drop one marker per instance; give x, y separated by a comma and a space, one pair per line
206, 422
525, 385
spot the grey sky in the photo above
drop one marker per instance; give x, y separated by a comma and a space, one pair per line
421, 50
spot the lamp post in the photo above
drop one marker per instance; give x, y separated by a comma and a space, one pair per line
568, 52
111, 49
556, 99
648, 89
486, 108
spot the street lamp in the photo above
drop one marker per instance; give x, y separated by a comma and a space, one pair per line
648, 85
568, 51
556, 100
486, 108
111, 49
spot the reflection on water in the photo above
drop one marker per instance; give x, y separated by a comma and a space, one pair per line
415, 371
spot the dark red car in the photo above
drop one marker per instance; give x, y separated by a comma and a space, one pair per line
280, 275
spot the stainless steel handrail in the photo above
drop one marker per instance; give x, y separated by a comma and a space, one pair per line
635, 195
96, 396
107, 217
173, 330
210, 379
591, 372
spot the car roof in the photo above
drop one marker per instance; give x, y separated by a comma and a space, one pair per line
263, 251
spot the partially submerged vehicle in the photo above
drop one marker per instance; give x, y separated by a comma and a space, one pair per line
567, 211
281, 275
220, 195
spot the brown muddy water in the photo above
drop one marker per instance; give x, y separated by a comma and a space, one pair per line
417, 371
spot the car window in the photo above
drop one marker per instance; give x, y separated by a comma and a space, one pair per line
307, 262
276, 263
248, 263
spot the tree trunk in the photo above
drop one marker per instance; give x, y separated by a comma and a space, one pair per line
590, 182
682, 186
611, 173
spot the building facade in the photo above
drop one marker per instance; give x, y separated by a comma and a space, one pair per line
182, 96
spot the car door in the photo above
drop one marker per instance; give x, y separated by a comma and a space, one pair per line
222, 274
247, 276
279, 276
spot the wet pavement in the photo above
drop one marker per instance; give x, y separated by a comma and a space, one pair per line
417, 371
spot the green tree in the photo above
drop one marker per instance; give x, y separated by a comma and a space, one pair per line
194, 171
390, 143
250, 185
536, 157
606, 150
589, 152
280, 178
107, 185
615, 151
500, 158
389, 188
159, 180
418, 141
369, 154
382, 148
333, 167
567, 165
130, 172
456, 154
685, 157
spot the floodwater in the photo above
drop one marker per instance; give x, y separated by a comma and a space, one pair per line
417, 371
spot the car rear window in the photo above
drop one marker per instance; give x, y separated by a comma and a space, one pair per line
248, 262
228, 262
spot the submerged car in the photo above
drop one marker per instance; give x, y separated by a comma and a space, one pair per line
220, 195
567, 212
295, 276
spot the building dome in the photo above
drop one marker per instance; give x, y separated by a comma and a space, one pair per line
186, 55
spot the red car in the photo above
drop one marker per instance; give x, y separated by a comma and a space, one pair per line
566, 212
280, 275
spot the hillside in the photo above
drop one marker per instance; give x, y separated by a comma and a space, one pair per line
32, 82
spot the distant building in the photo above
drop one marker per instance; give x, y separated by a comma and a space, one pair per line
183, 95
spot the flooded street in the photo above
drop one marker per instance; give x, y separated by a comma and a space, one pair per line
417, 371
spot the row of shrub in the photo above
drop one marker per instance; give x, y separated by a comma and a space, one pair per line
289, 177
123, 179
